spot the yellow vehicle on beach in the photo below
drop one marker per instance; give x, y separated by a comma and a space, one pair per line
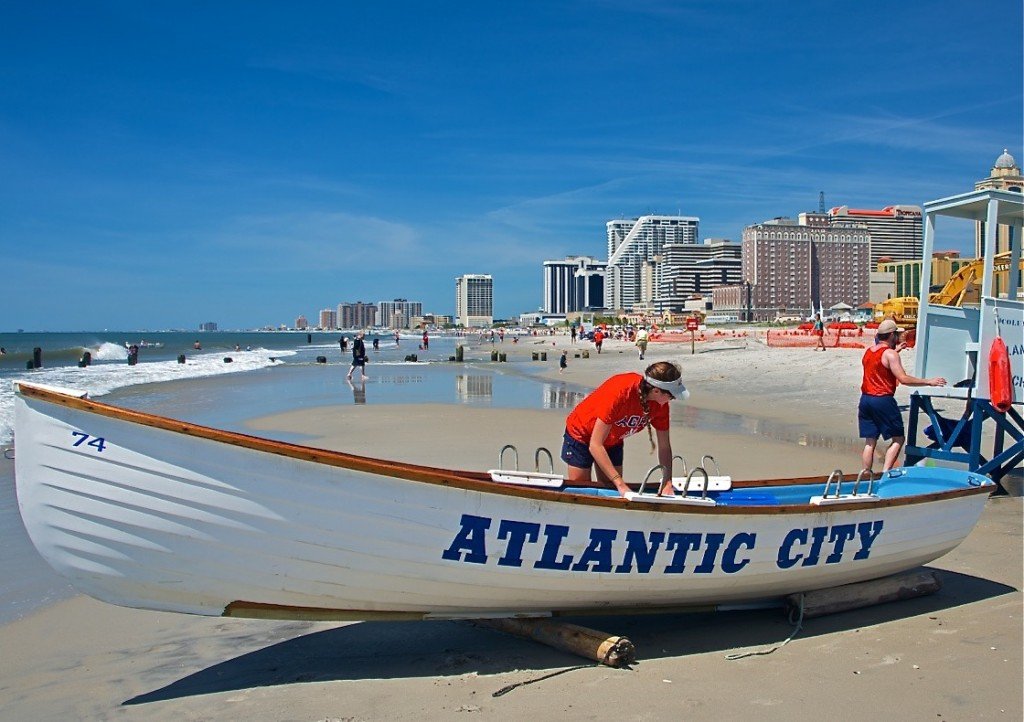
963, 287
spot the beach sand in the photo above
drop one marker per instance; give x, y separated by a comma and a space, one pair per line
761, 412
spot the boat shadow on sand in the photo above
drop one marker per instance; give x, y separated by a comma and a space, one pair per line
396, 650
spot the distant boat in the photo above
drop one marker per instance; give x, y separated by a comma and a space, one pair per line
145, 511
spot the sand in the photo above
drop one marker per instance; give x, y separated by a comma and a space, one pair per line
761, 412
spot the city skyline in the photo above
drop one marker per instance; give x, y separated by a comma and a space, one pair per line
167, 165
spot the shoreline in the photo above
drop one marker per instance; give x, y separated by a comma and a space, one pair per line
958, 650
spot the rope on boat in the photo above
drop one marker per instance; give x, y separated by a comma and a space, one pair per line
798, 625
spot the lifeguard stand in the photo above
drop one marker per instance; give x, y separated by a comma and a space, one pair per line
954, 342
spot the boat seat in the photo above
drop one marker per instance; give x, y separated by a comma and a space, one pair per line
655, 498
526, 478
714, 483
843, 499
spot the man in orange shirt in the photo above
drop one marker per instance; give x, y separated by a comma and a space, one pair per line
878, 414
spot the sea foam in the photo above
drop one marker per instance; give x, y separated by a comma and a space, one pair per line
99, 379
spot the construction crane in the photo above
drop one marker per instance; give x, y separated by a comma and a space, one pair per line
963, 287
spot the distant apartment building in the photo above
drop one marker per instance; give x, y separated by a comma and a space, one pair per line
575, 283
736, 301
357, 314
895, 230
1005, 176
474, 301
794, 265
208, 326
690, 269
634, 274
907, 274
301, 323
399, 313
328, 319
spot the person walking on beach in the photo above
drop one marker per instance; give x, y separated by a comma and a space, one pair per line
878, 414
622, 406
563, 361
572, 333
641, 341
598, 339
358, 357
819, 331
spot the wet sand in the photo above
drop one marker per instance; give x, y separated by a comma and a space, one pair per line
952, 655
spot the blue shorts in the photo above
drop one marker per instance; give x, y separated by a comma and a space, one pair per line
576, 453
879, 416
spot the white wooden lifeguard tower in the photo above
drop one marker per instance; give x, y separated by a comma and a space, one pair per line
954, 342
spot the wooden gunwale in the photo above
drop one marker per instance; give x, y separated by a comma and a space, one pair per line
468, 480
261, 610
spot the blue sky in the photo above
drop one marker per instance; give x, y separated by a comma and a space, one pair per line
168, 163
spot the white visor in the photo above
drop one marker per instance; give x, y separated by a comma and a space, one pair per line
676, 388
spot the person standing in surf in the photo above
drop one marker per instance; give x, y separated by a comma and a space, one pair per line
358, 357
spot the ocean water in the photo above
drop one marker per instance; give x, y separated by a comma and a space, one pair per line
159, 352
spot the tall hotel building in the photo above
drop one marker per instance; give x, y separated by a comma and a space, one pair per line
895, 230
399, 313
793, 265
328, 319
357, 315
635, 248
575, 283
474, 301
1005, 176
690, 269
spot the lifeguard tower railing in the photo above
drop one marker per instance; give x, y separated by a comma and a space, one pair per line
954, 342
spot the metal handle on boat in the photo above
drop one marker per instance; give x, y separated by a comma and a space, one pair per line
536, 459
704, 473
839, 482
501, 455
679, 456
871, 480
703, 464
646, 478
9, 453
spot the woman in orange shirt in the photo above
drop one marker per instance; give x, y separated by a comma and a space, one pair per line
620, 407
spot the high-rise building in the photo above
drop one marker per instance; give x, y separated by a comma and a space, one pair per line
474, 301
357, 315
399, 312
794, 265
690, 269
895, 230
1005, 176
328, 319
301, 323
208, 326
573, 284
633, 277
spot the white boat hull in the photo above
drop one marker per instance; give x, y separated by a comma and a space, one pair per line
168, 516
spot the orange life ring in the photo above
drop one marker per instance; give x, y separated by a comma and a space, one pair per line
999, 380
